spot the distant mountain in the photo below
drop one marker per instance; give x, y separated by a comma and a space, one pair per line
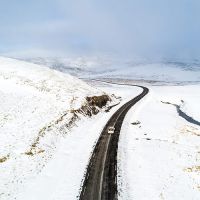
166, 71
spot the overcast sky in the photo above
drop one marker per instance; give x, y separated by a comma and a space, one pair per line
145, 28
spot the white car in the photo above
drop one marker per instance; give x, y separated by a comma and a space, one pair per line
111, 130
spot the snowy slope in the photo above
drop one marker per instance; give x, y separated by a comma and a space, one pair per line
35, 109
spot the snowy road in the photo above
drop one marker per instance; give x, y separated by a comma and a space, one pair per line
101, 178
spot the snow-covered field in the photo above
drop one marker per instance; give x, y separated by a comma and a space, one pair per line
159, 158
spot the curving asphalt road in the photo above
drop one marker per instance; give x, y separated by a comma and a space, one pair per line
101, 178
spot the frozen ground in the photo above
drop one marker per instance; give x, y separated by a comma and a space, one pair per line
159, 158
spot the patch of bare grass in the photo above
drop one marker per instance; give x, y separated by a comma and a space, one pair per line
4, 158
192, 169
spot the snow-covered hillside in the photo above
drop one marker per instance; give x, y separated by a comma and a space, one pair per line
37, 107
97, 67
